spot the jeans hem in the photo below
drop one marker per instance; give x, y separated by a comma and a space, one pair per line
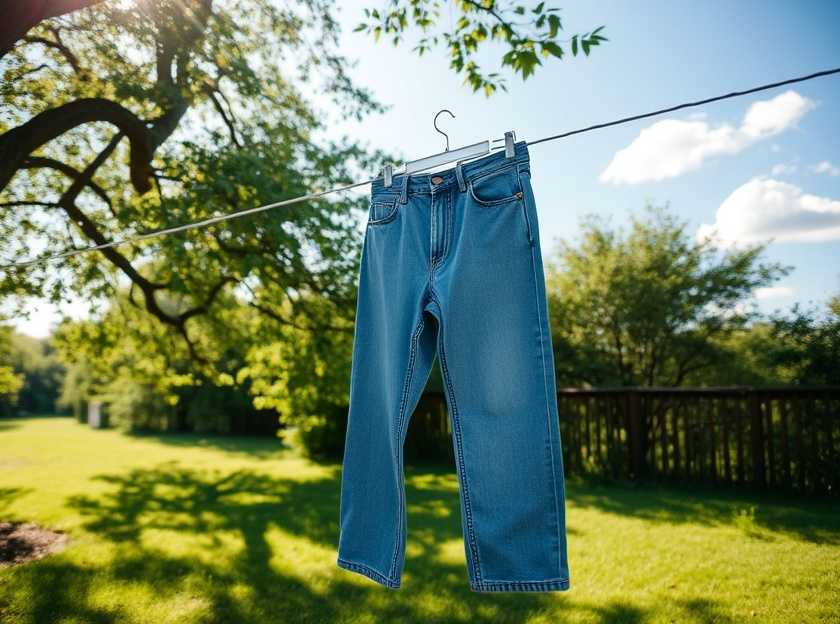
521, 586
369, 572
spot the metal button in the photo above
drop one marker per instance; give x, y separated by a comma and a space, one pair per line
437, 180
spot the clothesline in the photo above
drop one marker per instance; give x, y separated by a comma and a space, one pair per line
296, 200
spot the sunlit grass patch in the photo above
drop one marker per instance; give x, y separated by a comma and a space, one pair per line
241, 530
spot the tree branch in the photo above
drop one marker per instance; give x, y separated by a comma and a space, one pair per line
59, 47
18, 143
228, 122
205, 307
37, 162
12, 204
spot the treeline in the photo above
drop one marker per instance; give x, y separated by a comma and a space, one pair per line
642, 306
31, 375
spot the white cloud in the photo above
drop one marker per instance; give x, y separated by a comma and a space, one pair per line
672, 147
770, 117
782, 169
764, 209
826, 167
774, 292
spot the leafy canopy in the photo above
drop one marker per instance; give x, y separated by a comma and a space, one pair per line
642, 306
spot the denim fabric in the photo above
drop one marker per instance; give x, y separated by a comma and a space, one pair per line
451, 267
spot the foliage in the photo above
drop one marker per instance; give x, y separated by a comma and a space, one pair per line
529, 34
304, 375
10, 382
741, 359
797, 347
35, 360
260, 363
76, 388
138, 406
644, 307
123, 359
201, 106
806, 345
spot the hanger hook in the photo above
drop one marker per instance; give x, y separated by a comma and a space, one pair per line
446, 136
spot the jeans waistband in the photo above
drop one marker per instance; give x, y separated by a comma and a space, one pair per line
417, 184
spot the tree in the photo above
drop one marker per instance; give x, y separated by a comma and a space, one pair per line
529, 33
10, 382
645, 307
19, 17
806, 345
191, 102
35, 361
130, 117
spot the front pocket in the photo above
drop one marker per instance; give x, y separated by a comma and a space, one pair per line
382, 211
496, 188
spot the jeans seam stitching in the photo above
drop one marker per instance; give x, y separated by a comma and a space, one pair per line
457, 428
501, 168
368, 571
406, 386
547, 410
433, 233
447, 227
525, 205
492, 202
558, 583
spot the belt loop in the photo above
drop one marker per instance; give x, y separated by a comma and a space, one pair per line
404, 191
460, 175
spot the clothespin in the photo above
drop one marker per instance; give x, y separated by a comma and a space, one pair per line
388, 174
510, 150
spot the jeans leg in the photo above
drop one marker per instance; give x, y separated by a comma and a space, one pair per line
393, 351
497, 362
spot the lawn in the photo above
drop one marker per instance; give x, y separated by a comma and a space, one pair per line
188, 528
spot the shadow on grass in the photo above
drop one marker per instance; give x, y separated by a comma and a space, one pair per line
757, 513
7, 423
206, 509
7, 495
172, 530
256, 446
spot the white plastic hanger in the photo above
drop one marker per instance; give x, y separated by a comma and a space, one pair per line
448, 156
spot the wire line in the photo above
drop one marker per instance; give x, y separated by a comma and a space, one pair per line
671, 109
311, 196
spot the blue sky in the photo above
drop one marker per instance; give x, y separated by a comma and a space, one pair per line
774, 167
659, 54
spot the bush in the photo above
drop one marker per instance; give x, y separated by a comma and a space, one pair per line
226, 409
138, 407
323, 436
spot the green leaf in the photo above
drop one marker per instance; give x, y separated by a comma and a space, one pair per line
574, 45
553, 48
554, 26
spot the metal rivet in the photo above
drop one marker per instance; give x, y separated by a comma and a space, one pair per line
437, 180
519, 195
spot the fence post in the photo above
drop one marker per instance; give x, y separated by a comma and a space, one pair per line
757, 439
637, 452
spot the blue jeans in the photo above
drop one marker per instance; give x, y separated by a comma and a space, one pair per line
451, 266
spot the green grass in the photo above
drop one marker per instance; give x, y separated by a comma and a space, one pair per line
193, 529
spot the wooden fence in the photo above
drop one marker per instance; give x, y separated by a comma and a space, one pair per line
782, 438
